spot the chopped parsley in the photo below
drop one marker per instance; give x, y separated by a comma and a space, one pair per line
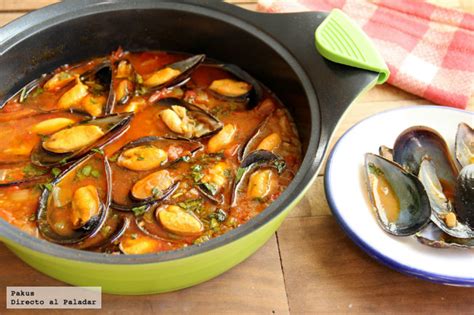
240, 172
31, 170
157, 193
97, 150
55, 171
196, 173
137, 211
220, 215
37, 92
280, 165
211, 188
194, 205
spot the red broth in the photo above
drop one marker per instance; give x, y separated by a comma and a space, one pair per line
190, 190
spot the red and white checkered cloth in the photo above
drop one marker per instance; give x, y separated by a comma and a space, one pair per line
429, 49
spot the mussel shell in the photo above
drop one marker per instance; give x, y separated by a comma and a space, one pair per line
26, 90
113, 126
464, 196
131, 203
22, 127
464, 146
255, 160
93, 226
386, 152
440, 204
250, 145
419, 142
433, 236
186, 66
119, 231
414, 206
256, 93
27, 180
197, 113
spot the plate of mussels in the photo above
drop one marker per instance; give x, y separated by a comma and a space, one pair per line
401, 185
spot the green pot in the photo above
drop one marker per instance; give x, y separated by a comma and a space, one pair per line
277, 49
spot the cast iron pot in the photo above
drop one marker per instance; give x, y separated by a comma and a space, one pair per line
278, 50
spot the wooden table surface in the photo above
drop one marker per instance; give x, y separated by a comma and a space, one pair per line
309, 266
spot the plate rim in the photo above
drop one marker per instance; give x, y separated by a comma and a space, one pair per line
365, 246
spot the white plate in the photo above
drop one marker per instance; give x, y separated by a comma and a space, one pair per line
347, 197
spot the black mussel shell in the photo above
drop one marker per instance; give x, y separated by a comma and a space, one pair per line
464, 196
441, 206
386, 152
464, 146
251, 143
256, 93
113, 126
32, 175
189, 148
433, 236
402, 190
23, 92
255, 160
186, 67
92, 227
197, 113
115, 235
419, 142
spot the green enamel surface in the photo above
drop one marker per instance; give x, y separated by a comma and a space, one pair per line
342, 41
154, 277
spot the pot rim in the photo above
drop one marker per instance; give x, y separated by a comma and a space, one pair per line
65, 11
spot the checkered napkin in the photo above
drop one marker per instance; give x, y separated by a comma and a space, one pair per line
429, 49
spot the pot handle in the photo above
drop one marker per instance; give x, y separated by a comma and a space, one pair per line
337, 76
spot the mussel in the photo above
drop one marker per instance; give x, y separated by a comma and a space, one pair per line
72, 143
255, 177
243, 87
19, 137
261, 139
464, 195
464, 146
442, 211
213, 180
398, 198
188, 120
168, 221
75, 205
147, 162
418, 143
433, 236
173, 74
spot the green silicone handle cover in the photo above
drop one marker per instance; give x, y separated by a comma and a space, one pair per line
342, 41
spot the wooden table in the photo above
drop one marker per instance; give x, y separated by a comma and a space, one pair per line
309, 266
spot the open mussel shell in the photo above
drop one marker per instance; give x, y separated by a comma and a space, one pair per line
21, 174
253, 141
398, 198
256, 160
433, 236
464, 195
418, 143
464, 146
196, 124
67, 215
441, 206
23, 92
105, 129
386, 152
140, 159
182, 71
108, 236
169, 221
253, 97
